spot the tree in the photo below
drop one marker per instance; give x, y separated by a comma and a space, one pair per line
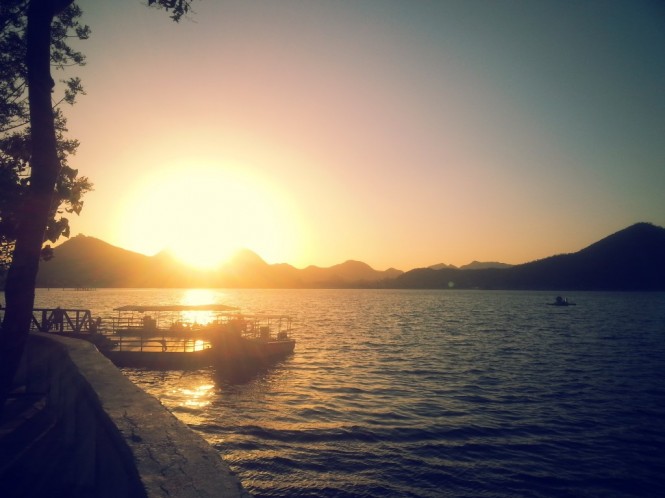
15, 130
35, 206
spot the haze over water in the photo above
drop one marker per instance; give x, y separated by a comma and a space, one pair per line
433, 393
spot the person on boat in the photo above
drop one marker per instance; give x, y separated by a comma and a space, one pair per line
149, 323
58, 319
94, 325
561, 301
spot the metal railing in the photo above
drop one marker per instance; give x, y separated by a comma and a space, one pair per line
152, 345
62, 320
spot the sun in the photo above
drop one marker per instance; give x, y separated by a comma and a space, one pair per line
202, 215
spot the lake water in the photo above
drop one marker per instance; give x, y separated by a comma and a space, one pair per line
432, 393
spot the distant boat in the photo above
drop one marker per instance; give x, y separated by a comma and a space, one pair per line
561, 301
195, 336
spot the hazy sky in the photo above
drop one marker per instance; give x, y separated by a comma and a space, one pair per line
401, 133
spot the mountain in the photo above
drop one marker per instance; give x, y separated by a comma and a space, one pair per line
89, 262
474, 265
442, 266
249, 270
631, 259
346, 273
483, 265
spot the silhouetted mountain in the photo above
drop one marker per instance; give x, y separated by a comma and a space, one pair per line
631, 259
474, 265
480, 265
442, 266
349, 272
88, 262
247, 269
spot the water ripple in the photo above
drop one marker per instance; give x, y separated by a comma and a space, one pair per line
438, 393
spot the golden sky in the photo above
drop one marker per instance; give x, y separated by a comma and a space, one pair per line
396, 132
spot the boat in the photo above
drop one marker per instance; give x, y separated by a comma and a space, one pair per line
254, 340
561, 301
183, 336
154, 359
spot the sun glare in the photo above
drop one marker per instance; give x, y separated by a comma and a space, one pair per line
197, 297
203, 215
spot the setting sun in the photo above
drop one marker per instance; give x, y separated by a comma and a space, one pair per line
204, 214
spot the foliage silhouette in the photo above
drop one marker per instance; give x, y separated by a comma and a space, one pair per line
15, 140
44, 25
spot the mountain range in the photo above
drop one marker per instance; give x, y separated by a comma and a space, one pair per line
631, 259
89, 262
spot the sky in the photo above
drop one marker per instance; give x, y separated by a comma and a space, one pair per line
400, 133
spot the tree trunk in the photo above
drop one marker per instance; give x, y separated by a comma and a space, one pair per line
34, 213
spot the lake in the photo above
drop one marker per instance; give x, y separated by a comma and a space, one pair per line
431, 393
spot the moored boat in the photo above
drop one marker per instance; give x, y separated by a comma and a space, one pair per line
196, 336
252, 339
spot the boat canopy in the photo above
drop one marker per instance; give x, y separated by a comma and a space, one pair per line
178, 307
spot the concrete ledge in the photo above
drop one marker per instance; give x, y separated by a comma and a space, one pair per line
119, 440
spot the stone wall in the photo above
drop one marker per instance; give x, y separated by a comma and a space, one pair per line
108, 438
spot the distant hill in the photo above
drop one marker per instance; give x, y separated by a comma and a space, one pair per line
631, 259
480, 265
442, 266
474, 265
89, 262
348, 272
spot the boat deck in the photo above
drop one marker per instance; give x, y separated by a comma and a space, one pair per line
168, 337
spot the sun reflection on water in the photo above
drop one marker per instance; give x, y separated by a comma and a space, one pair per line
197, 396
197, 297
200, 345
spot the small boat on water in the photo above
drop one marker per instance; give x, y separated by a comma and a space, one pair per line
561, 301
197, 336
